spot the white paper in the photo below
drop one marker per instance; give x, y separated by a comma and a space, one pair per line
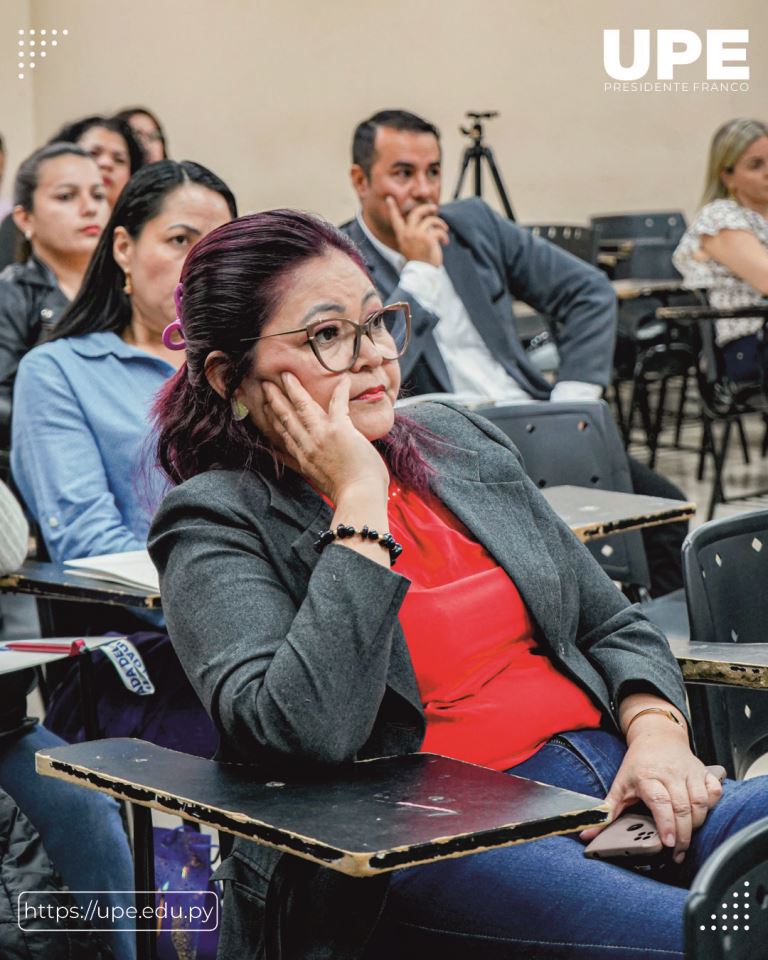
133, 569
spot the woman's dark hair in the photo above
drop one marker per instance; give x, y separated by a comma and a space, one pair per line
72, 132
101, 303
129, 112
28, 179
232, 282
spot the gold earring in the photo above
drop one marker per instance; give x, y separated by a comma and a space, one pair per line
239, 409
127, 286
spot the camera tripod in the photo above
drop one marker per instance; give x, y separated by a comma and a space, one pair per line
474, 154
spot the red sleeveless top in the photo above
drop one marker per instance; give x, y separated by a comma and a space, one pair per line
490, 694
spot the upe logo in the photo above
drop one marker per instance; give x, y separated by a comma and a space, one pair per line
724, 48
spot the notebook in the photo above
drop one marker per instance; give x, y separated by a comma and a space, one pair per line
132, 569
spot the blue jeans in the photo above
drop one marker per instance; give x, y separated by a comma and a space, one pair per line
81, 830
544, 899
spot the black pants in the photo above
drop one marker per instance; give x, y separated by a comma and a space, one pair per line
663, 542
745, 359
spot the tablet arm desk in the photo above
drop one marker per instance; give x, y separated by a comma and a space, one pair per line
372, 817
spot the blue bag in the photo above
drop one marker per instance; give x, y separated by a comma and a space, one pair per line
170, 717
183, 880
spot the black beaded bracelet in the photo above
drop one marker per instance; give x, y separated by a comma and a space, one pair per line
343, 530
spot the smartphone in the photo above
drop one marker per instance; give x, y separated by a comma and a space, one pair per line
632, 835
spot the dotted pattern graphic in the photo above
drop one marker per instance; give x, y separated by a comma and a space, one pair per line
34, 45
739, 917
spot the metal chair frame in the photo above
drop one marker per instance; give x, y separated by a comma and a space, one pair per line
722, 401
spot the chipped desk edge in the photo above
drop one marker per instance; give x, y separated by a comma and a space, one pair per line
723, 673
351, 863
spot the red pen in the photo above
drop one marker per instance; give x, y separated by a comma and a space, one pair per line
40, 646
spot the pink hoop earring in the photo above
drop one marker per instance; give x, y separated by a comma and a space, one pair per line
168, 333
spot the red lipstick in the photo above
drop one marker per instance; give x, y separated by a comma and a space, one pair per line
372, 393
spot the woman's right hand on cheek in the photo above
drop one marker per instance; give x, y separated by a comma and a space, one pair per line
329, 450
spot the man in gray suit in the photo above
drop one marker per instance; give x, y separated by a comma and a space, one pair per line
460, 266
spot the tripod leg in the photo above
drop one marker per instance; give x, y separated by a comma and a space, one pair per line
464, 164
488, 154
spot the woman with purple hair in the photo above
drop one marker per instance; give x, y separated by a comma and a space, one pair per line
342, 582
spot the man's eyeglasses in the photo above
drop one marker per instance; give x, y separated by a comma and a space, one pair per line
336, 342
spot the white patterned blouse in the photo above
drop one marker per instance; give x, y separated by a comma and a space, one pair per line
725, 289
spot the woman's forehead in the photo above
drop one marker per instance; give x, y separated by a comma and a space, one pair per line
67, 167
332, 278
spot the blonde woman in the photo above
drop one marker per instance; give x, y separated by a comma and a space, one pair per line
725, 249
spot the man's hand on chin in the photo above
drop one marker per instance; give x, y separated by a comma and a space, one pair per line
421, 234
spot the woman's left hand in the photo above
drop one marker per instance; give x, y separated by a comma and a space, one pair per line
660, 771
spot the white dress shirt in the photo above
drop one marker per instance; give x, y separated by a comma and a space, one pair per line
471, 366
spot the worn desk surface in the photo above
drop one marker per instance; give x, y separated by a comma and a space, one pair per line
695, 314
54, 581
631, 289
627, 289
731, 664
593, 514
372, 817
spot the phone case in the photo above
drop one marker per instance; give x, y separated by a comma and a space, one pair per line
631, 835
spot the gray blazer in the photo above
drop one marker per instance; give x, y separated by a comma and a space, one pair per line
490, 261
300, 658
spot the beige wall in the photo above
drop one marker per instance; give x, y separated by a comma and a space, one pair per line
267, 92
16, 96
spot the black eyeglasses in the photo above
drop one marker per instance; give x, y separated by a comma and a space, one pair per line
336, 342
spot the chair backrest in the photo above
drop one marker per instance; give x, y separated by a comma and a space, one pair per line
578, 240
577, 444
725, 571
725, 566
726, 913
648, 259
666, 225
662, 360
